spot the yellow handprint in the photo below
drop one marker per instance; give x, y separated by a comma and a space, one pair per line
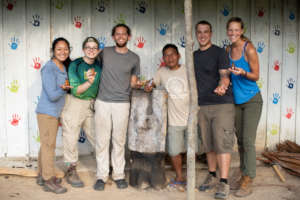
14, 86
37, 137
260, 83
291, 48
274, 130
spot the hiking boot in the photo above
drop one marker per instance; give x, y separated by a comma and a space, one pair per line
121, 183
40, 181
51, 186
245, 188
99, 185
236, 184
223, 190
209, 182
73, 178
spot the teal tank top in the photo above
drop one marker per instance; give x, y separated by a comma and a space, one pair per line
243, 88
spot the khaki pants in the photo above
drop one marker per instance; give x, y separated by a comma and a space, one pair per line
48, 127
76, 114
111, 121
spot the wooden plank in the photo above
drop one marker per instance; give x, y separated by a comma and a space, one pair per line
224, 13
289, 71
3, 136
298, 90
26, 172
241, 9
37, 33
275, 69
260, 38
14, 46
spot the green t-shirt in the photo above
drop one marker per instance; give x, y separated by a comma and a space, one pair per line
77, 75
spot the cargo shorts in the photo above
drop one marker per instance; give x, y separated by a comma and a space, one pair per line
217, 129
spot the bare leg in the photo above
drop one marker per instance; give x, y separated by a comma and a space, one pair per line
212, 161
224, 164
177, 164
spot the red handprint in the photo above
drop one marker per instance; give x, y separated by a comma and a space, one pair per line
261, 12
15, 120
140, 42
276, 65
77, 21
289, 113
36, 63
10, 4
162, 63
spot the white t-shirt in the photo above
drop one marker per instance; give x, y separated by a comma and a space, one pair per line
176, 84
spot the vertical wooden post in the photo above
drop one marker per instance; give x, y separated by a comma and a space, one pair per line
192, 121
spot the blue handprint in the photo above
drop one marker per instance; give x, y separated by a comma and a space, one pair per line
36, 20
102, 42
182, 42
292, 15
260, 47
225, 43
102, 4
163, 29
290, 83
142, 7
276, 98
14, 42
225, 11
82, 137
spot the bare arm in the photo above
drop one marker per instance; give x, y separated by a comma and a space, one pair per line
252, 58
223, 83
135, 82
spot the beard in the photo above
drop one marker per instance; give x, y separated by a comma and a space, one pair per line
121, 45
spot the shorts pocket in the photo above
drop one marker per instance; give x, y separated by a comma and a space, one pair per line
229, 139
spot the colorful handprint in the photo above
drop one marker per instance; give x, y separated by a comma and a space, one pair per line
291, 48
260, 47
276, 98
77, 21
274, 129
161, 63
276, 65
225, 43
225, 11
289, 113
59, 4
121, 19
182, 42
163, 28
15, 120
140, 42
10, 4
260, 83
14, 43
14, 86
276, 30
82, 137
102, 5
102, 42
292, 15
37, 63
260, 12
37, 138
290, 83
36, 20
142, 6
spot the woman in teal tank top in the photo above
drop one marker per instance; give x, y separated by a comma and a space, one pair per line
248, 102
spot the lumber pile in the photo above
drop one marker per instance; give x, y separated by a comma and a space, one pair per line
287, 155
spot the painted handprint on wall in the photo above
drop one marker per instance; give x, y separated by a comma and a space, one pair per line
260, 12
276, 30
163, 28
276, 98
276, 65
36, 63
14, 43
274, 129
260, 47
142, 6
59, 4
102, 42
37, 138
225, 43
292, 15
36, 20
225, 11
82, 137
102, 5
260, 83
161, 63
121, 19
15, 120
140, 42
10, 4
14, 86
182, 42
291, 48
289, 113
77, 21
290, 83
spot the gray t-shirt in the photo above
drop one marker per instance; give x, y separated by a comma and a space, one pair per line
117, 70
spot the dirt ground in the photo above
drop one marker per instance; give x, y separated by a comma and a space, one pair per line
266, 186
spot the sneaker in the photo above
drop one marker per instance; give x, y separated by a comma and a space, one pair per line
223, 190
73, 178
51, 186
40, 181
121, 183
245, 188
99, 185
209, 182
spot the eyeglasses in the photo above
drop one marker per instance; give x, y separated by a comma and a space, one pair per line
91, 48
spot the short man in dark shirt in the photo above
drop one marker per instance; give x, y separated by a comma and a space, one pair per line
216, 115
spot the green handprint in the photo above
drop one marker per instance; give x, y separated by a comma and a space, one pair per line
291, 48
260, 83
14, 86
274, 129
120, 19
59, 4
37, 137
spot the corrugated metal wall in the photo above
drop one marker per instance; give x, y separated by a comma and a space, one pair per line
27, 28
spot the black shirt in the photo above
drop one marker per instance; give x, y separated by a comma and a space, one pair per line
207, 65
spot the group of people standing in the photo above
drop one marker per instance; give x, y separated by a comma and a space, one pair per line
98, 100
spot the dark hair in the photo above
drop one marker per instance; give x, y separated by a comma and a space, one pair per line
240, 21
203, 22
173, 46
68, 60
90, 39
120, 25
